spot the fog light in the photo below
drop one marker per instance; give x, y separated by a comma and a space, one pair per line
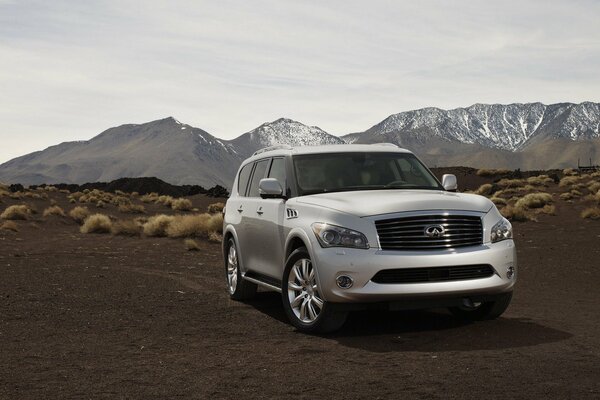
344, 281
510, 272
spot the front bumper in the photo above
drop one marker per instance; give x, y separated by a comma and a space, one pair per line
362, 265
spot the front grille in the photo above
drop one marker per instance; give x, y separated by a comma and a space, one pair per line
409, 233
433, 274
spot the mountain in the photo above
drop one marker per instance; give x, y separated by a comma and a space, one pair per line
509, 127
526, 136
282, 131
166, 149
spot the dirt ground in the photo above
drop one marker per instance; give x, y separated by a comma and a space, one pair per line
101, 316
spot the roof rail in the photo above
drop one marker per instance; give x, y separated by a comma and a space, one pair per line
275, 147
385, 144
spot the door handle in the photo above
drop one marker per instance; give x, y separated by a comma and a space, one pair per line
259, 211
240, 209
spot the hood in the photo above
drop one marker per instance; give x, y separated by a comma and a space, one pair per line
375, 202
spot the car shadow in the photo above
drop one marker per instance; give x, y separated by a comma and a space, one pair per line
423, 330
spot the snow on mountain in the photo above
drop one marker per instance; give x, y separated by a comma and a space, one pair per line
507, 127
283, 131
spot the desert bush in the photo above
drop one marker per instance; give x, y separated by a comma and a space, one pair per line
181, 204
549, 209
51, 189
540, 180
195, 225
576, 193
79, 214
9, 226
215, 237
34, 195
120, 193
594, 187
569, 172
566, 196
126, 228
515, 213
191, 245
568, 181
100, 204
483, 190
534, 200
65, 191
511, 183
498, 201
164, 200
16, 195
591, 213
149, 198
157, 225
215, 208
132, 208
17, 212
54, 210
120, 201
96, 223
134, 194
492, 172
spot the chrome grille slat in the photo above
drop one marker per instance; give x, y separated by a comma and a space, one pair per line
408, 233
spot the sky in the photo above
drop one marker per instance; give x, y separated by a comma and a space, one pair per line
71, 69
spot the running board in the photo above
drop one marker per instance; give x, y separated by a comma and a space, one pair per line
263, 280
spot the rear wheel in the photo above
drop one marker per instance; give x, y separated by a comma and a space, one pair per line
238, 288
483, 311
302, 298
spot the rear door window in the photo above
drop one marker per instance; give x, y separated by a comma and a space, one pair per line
259, 173
243, 179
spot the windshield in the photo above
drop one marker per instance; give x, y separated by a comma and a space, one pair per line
336, 172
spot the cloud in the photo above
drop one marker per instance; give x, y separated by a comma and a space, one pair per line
69, 70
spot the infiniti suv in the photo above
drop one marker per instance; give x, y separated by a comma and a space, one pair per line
342, 227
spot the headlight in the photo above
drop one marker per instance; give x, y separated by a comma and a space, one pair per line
336, 236
501, 231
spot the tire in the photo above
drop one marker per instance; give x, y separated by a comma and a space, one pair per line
237, 286
484, 311
309, 312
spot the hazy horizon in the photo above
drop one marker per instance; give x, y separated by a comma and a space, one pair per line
71, 70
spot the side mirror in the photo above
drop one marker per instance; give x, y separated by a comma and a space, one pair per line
449, 182
270, 188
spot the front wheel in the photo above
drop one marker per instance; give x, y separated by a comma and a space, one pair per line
483, 311
238, 288
302, 298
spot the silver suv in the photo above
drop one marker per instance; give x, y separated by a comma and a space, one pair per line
342, 227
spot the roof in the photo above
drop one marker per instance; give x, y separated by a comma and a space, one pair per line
281, 150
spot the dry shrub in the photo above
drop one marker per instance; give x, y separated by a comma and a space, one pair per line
16, 195
181, 204
75, 195
65, 191
568, 181
79, 214
591, 213
100, 204
511, 183
120, 201
498, 201
194, 225
217, 208
483, 190
120, 193
17, 212
191, 245
569, 172
492, 172
595, 174
540, 180
164, 200
132, 208
157, 225
215, 237
54, 210
534, 200
134, 194
126, 228
51, 189
547, 209
576, 193
515, 213
33, 195
9, 226
52, 202
594, 187
72, 201
566, 196
96, 223
149, 198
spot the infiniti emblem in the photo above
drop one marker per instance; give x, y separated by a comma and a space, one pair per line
434, 231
